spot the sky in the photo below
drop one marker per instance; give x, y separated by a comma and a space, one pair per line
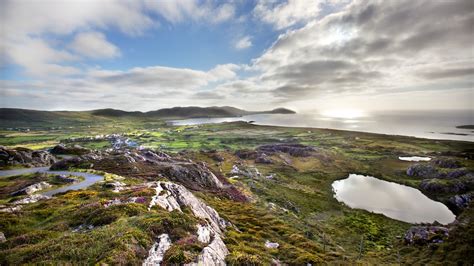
253, 54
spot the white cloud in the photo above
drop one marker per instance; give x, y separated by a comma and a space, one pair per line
368, 50
191, 10
362, 50
27, 25
140, 88
286, 13
243, 43
32, 31
39, 58
223, 13
63, 17
94, 45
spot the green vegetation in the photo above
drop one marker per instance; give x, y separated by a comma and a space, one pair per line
295, 208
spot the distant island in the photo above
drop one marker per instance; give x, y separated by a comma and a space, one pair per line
466, 127
190, 112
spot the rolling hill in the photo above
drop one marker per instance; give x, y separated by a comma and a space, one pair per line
14, 117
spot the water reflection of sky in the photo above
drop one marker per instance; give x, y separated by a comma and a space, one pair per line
393, 200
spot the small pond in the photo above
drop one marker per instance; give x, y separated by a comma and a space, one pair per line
393, 200
89, 179
414, 159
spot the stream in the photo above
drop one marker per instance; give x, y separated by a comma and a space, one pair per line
89, 179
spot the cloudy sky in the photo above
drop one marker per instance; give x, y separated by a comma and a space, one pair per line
300, 54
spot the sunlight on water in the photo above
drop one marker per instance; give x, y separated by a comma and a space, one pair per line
422, 124
343, 113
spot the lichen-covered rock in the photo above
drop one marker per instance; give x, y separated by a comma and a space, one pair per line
158, 250
25, 157
214, 254
164, 199
204, 233
192, 174
32, 189
10, 208
171, 196
31, 199
116, 201
250, 172
422, 235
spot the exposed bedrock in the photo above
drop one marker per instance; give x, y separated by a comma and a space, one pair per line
422, 235
25, 157
171, 196
149, 165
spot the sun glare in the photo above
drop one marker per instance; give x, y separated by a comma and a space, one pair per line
343, 113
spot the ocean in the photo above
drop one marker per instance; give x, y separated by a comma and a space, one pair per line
434, 124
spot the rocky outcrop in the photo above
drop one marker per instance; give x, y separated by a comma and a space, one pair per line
272, 245
250, 172
82, 161
422, 235
139, 200
293, 149
247, 154
158, 250
263, 159
32, 189
171, 196
31, 199
438, 186
204, 233
457, 203
431, 171
456, 173
61, 149
447, 163
423, 171
25, 157
116, 186
195, 175
214, 155
214, 254
147, 163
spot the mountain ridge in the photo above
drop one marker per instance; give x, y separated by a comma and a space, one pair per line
18, 114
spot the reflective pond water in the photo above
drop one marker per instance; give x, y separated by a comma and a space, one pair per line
393, 200
89, 179
414, 159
